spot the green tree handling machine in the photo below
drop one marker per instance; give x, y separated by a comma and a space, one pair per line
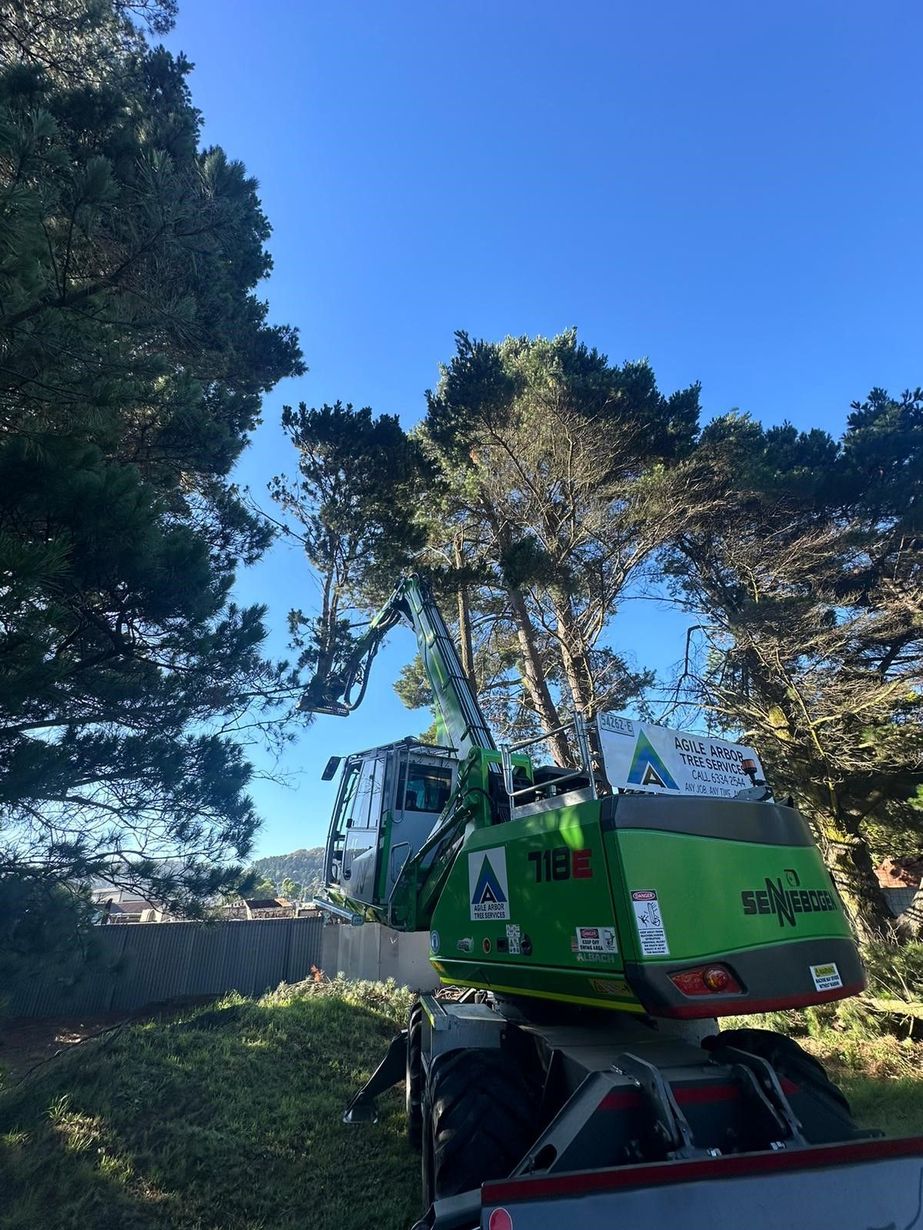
594, 921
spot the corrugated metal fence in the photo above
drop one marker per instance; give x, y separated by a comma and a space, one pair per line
899, 899
147, 963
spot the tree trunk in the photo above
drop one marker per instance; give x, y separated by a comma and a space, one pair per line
579, 675
852, 867
574, 660
533, 677
464, 619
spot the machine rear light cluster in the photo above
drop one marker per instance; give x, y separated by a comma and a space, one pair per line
707, 980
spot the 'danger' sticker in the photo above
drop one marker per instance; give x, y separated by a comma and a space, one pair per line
651, 933
599, 941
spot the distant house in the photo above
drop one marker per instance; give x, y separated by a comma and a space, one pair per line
123, 905
268, 907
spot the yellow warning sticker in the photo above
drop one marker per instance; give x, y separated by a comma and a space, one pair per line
826, 977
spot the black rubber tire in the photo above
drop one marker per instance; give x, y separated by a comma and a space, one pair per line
413, 1079
787, 1058
482, 1120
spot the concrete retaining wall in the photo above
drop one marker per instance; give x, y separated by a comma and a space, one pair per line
376, 952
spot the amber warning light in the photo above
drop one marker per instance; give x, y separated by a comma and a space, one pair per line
749, 767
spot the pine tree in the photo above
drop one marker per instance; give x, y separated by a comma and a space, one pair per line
135, 354
541, 445
353, 503
802, 553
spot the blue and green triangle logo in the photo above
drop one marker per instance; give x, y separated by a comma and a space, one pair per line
487, 889
647, 767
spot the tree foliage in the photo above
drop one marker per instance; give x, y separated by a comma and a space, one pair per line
134, 353
541, 445
517, 497
304, 868
803, 554
352, 502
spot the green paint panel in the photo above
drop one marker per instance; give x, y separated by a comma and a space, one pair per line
536, 906
602, 988
716, 897
528, 907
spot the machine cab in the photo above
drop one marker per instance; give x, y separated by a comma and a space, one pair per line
388, 802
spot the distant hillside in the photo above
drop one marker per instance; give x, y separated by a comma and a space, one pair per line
303, 866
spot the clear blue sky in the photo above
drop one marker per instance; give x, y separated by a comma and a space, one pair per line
731, 190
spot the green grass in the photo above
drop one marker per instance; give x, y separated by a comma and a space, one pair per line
229, 1117
881, 1076
880, 1073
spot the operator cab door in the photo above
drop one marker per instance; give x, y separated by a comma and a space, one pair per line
361, 802
388, 803
423, 786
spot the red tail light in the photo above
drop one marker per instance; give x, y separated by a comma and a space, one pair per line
707, 980
716, 978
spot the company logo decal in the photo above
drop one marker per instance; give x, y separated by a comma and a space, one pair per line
488, 886
786, 903
648, 768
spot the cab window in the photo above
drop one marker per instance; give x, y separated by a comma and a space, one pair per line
361, 795
364, 808
348, 795
424, 787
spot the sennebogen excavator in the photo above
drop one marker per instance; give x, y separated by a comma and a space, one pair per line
595, 921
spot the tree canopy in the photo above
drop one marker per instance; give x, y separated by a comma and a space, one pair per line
802, 554
545, 484
353, 503
134, 355
541, 445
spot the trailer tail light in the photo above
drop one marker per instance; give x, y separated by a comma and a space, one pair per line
707, 980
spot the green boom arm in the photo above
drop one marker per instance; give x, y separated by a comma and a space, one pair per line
457, 704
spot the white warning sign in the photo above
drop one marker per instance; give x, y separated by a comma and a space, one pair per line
648, 920
513, 939
596, 942
488, 886
638, 756
826, 977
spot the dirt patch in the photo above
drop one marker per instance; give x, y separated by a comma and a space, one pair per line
27, 1042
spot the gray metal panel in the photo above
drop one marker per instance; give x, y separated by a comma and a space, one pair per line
899, 899
852, 1196
306, 950
151, 971
71, 988
134, 964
